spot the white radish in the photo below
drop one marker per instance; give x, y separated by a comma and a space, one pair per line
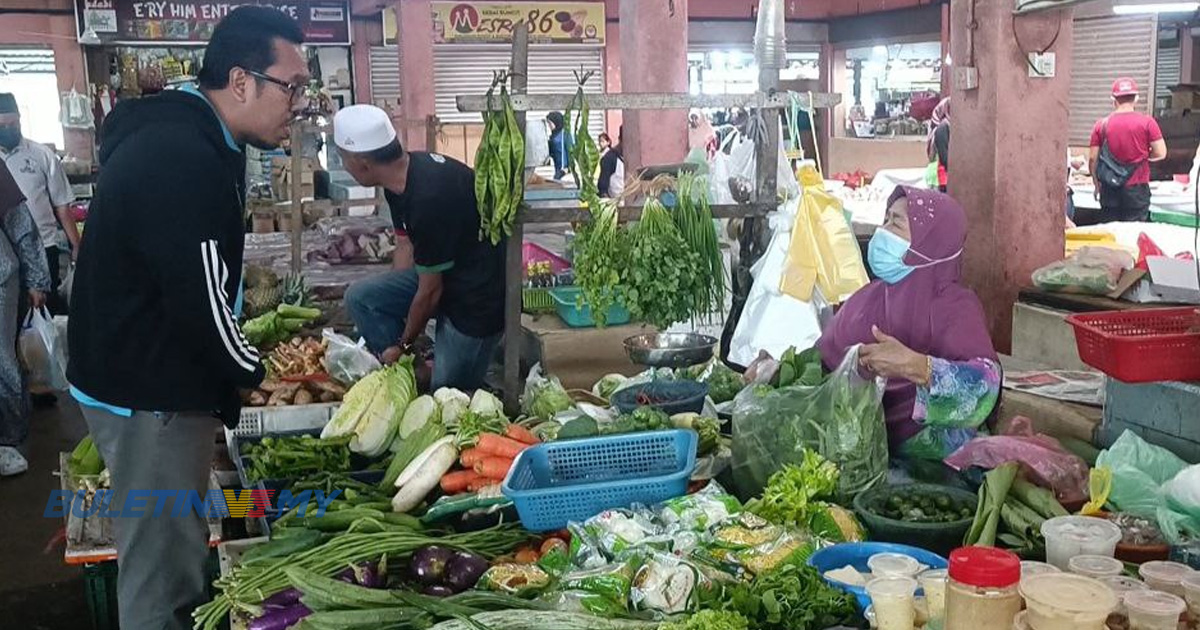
423, 474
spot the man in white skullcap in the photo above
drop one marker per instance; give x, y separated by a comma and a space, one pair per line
443, 271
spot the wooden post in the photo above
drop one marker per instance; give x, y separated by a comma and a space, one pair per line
513, 270
297, 207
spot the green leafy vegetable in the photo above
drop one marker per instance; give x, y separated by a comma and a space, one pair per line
711, 620
791, 494
662, 278
709, 430
992, 495
793, 596
599, 255
723, 382
471, 424
694, 219
297, 456
546, 398
640, 419
608, 385
802, 368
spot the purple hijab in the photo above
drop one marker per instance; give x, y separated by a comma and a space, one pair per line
928, 311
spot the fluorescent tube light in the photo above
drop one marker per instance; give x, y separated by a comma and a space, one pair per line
1156, 7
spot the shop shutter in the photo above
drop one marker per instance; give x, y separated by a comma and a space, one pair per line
1107, 48
1167, 73
385, 74
467, 69
26, 61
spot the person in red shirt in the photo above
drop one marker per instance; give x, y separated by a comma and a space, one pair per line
1133, 139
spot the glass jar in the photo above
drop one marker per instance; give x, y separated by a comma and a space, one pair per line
1095, 566
1153, 610
893, 599
1164, 576
1065, 601
981, 593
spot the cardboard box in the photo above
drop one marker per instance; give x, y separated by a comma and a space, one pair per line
577, 356
1185, 96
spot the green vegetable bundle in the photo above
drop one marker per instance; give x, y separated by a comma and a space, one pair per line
793, 596
584, 155
694, 218
600, 254
662, 279
85, 458
298, 456
791, 494
499, 168
279, 325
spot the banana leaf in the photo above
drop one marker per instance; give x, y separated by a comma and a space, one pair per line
1039, 499
992, 495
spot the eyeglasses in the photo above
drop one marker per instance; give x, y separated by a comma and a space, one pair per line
297, 90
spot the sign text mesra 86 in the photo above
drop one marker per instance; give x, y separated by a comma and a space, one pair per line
479, 22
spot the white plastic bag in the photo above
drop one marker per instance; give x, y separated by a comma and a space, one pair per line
64, 288
346, 361
43, 352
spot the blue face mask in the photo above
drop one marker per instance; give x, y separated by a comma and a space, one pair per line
885, 253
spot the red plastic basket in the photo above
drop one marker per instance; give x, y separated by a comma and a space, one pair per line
1141, 346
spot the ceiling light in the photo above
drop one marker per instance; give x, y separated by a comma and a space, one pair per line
1156, 7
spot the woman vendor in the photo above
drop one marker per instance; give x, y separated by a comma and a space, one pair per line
920, 329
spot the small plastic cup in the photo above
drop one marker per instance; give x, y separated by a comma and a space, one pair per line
1070, 536
1164, 576
1030, 568
893, 599
893, 565
1065, 601
1096, 566
933, 583
1153, 610
1121, 586
1191, 593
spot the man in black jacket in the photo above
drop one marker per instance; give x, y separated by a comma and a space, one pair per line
156, 352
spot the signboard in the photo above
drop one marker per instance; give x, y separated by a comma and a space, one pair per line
192, 21
493, 22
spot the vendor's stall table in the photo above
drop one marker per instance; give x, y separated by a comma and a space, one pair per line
1053, 417
1078, 303
577, 356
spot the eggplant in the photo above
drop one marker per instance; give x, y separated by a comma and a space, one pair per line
437, 591
464, 570
367, 574
283, 599
429, 564
280, 618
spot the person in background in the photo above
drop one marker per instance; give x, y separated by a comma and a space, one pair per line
937, 146
156, 354
604, 142
560, 144
921, 329
442, 270
611, 182
48, 194
1135, 140
701, 135
22, 271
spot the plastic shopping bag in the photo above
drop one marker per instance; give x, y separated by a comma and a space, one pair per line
1139, 470
1091, 270
823, 251
1042, 457
842, 419
346, 361
43, 352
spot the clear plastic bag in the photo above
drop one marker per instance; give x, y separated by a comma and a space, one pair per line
1042, 457
544, 396
43, 352
842, 419
1091, 270
347, 361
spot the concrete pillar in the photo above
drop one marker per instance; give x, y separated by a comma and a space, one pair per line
945, 89
612, 75
1189, 57
414, 26
654, 40
1008, 151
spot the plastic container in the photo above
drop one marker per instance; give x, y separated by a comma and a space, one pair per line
981, 593
1165, 576
566, 300
555, 483
1191, 593
671, 397
1070, 536
893, 599
889, 564
1030, 568
933, 584
856, 555
940, 538
1140, 346
1065, 601
1153, 610
1021, 621
1096, 566
1121, 586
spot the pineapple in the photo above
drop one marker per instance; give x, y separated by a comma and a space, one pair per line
263, 292
295, 291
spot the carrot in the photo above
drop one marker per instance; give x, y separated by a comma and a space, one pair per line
521, 434
494, 467
456, 482
470, 457
497, 446
479, 483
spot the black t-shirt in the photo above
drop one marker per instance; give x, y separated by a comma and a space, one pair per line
437, 211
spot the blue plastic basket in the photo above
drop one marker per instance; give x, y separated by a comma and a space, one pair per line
857, 554
555, 483
566, 299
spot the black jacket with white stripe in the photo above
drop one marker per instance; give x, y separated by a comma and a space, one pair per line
152, 326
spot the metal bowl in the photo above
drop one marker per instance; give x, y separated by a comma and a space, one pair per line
670, 350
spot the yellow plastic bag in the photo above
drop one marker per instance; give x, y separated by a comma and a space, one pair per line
1099, 487
823, 251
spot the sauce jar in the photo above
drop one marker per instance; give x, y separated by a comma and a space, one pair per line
982, 591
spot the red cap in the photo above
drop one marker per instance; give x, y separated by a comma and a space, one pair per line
1124, 87
985, 567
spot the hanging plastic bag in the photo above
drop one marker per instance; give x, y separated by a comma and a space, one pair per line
823, 250
842, 419
346, 361
77, 111
43, 352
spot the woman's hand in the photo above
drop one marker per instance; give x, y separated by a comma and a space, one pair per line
37, 299
891, 359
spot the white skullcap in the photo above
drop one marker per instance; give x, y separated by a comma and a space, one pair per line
362, 128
